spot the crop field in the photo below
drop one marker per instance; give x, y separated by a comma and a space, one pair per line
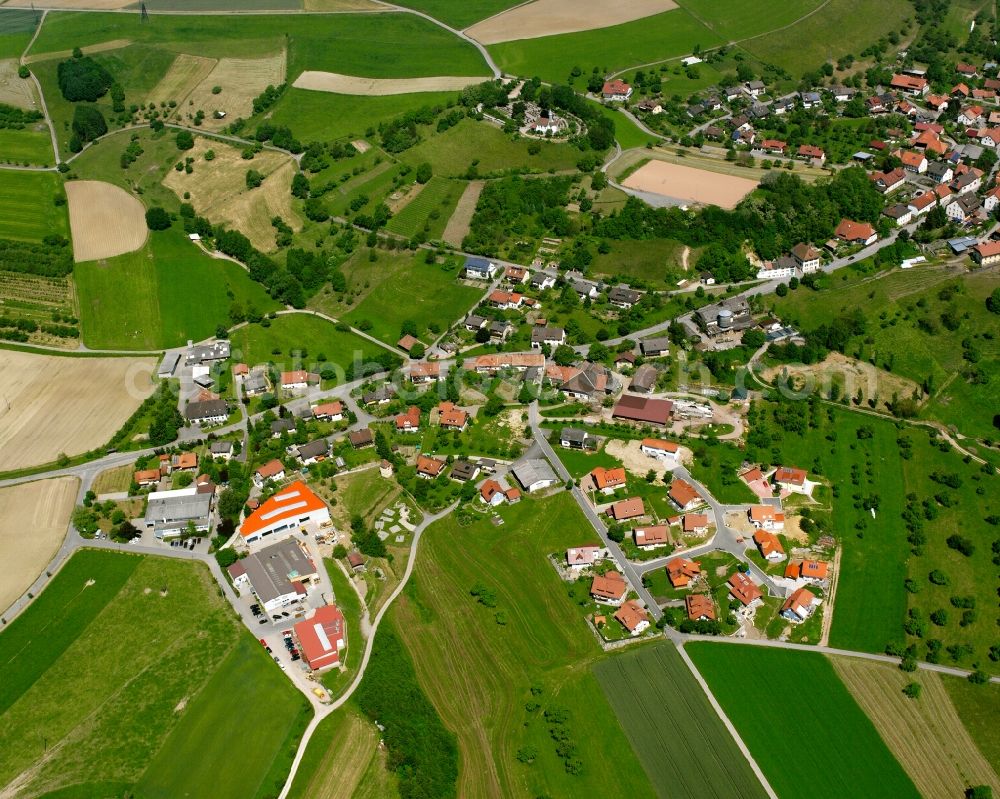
29, 146
668, 35
837, 27
69, 694
926, 735
390, 299
478, 664
430, 210
241, 80
315, 338
27, 205
451, 153
186, 72
33, 523
16, 28
461, 218
353, 85
105, 220
152, 290
679, 738
460, 15
844, 756
218, 190
37, 298
57, 404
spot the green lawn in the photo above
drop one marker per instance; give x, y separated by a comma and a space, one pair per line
16, 27
678, 736
579, 463
316, 339
481, 665
161, 295
337, 680
451, 153
27, 206
429, 211
716, 465
732, 19
26, 147
647, 261
802, 726
399, 286
460, 15
667, 35
627, 133
176, 697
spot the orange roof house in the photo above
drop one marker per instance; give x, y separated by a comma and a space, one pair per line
407, 342
800, 605
787, 475
633, 617
625, 509
815, 570
451, 416
609, 588
694, 523
657, 446
270, 470
284, 512
146, 477
769, 545
409, 421
429, 467
655, 536
683, 494
681, 571
699, 606
607, 480
766, 516
491, 492
322, 637
328, 410
743, 589
855, 232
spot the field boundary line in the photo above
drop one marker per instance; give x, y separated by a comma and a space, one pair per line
38, 86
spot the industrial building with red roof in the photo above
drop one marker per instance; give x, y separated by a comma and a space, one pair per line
322, 638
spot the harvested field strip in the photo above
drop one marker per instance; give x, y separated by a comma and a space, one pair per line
344, 745
540, 18
350, 84
458, 226
106, 220
679, 738
438, 198
241, 80
33, 522
925, 734
101, 47
185, 73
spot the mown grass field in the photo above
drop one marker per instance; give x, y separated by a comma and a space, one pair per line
75, 697
978, 706
16, 27
430, 210
676, 733
26, 147
452, 153
313, 338
668, 35
479, 665
460, 15
646, 260
627, 133
27, 206
734, 20
801, 724
398, 287
162, 295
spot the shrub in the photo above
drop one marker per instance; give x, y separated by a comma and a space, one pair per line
961, 544
157, 218
185, 141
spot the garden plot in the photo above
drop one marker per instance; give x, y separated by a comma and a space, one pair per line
551, 17
105, 220
350, 84
394, 523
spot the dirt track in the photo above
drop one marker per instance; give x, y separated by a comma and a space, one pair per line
689, 184
349, 84
105, 220
552, 17
101, 47
33, 521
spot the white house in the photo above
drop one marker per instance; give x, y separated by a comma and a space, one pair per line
660, 449
547, 337
616, 91
272, 470
800, 605
479, 268
806, 256
783, 267
766, 517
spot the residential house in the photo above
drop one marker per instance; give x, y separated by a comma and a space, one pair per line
221, 449
812, 153
842, 94
806, 256
912, 161
856, 232
428, 467
644, 379
284, 514
694, 523
754, 88
810, 99
623, 296
633, 617
146, 477
986, 253
207, 412
625, 509
361, 438
425, 372
658, 448
328, 411
312, 452
813, 571
451, 417
790, 478
774, 146
966, 70
184, 462
542, 281
800, 605
578, 558
256, 382
586, 382
609, 588
900, 214
992, 199
964, 208
516, 274
967, 179
543, 336
464, 470
503, 361
781, 267
492, 493
474, 322
745, 590
915, 87
574, 438
940, 172
647, 538
650, 106
299, 379
923, 203
937, 101
681, 571
699, 607
607, 481
959, 91
534, 474
284, 425
658, 347
408, 422
766, 517
970, 116
500, 330
272, 470
684, 495
645, 410
616, 91
479, 268
769, 546
505, 300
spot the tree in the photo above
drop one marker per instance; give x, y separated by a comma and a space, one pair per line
494, 405
424, 173
226, 557
979, 792
88, 122
82, 78
340, 552
254, 178
127, 531
185, 141
781, 290
913, 690
564, 355
993, 301
230, 504
157, 218
483, 335
300, 186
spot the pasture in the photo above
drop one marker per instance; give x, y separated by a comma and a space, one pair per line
672, 34
58, 404
28, 209
845, 755
978, 707
105, 220
218, 191
926, 735
314, 339
33, 523
734, 20
28, 146
649, 261
241, 80
452, 153
481, 665
143, 300
688, 185
679, 738
16, 29
429, 211
460, 15
186, 72
402, 287
73, 696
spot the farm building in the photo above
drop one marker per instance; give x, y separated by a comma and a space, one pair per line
534, 474
633, 408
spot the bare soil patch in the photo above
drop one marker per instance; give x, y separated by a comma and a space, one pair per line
350, 84
458, 226
241, 79
398, 200
689, 184
184, 75
100, 47
361, 145
16, 91
926, 735
53, 404
635, 460
105, 220
33, 522
551, 17
849, 374
219, 191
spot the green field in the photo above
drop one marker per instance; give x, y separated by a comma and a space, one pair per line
627, 133
317, 339
801, 724
429, 211
668, 35
162, 295
451, 153
479, 664
460, 15
677, 734
648, 261
399, 287
347, 599
978, 706
111, 724
26, 147
27, 206
734, 20
16, 28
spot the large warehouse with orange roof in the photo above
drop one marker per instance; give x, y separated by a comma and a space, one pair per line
284, 513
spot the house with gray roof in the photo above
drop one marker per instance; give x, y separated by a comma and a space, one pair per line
168, 513
575, 438
534, 474
313, 451
207, 412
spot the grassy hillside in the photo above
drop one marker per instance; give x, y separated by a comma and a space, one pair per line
801, 724
735, 20
460, 15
